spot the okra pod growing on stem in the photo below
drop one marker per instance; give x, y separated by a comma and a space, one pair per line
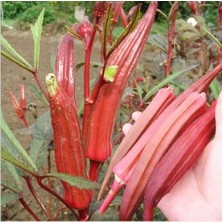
64, 65
69, 155
103, 112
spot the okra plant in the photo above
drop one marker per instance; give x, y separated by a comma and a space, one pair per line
150, 159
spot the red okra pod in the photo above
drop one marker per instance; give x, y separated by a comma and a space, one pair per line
199, 86
163, 98
180, 157
68, 150
123, 170
64, 65
104, 110
158, 144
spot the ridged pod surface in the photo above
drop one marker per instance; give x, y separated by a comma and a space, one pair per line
122, 169
69, 155
104, 110
181, 156
199, 86
160, 140
64, 65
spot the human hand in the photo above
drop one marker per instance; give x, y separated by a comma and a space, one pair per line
198, 195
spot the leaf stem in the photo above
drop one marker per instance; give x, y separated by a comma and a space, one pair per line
17, 62
30, 186
212, 36
26, 206
171, 36
39, 181
35, 73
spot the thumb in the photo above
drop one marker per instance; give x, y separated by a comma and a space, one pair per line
218, 116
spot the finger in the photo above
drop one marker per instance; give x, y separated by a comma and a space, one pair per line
218, 116
136, 115
126, 128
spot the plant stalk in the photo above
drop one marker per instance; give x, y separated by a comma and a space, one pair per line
87, 104
46, 188
171, 36
30, 186
26, 206
35, 73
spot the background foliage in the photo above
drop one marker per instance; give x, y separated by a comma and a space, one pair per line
27, 12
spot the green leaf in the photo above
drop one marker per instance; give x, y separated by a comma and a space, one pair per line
8, 184
139, 91
166, 81
7, 143
36, 32
215, 88
76, 181
36, 90
110, 73
8, 157
11, 176
216, 40
14, 56
158, 215
73, 33
16, 143
188, 36
9, 57
93, 63
129, 28
6, 198
159, 41
107, 21
42, 136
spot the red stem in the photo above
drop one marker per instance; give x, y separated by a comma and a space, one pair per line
83, 214
95, 168
25, 122
26, 206
87, 63
49, 161
39, 181
219, 59
171, 36
116, 186
35, 73
29, 184
118, 139
95, 92
87, 104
